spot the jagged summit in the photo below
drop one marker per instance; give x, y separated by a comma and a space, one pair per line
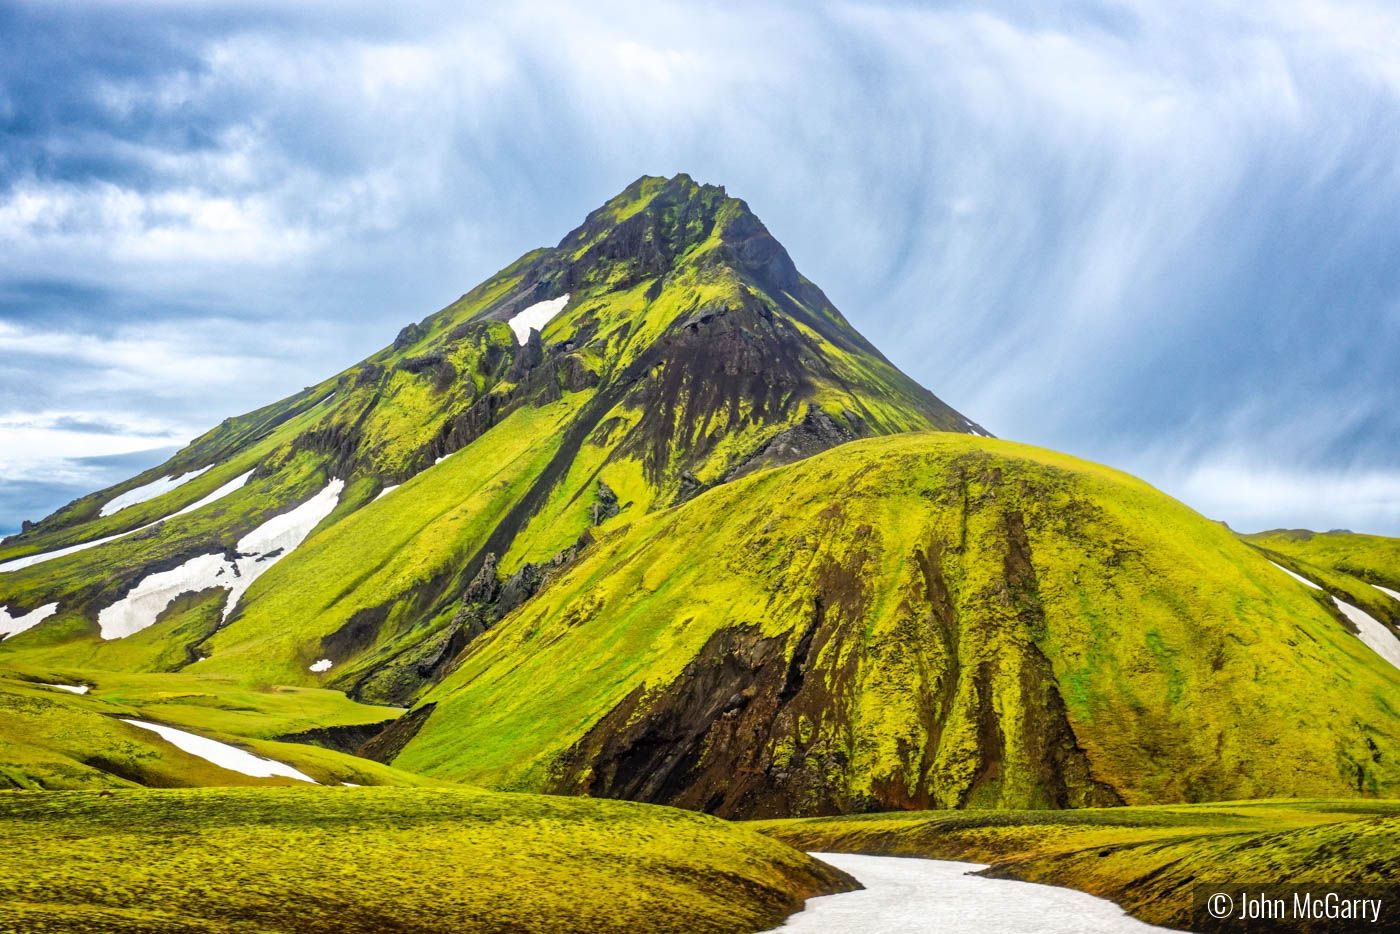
655, 220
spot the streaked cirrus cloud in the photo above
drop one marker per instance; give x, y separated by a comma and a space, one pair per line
1158, 236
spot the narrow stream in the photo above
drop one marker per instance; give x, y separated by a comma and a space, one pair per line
932, 896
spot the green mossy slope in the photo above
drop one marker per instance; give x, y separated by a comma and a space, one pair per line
1372, 558
925, 620
1144, 858
341, 861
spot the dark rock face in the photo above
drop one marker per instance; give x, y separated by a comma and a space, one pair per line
725, 736
484, 588
530, 356
575, 375
389, 742
347, 739
418, 364
755, 249
487, 598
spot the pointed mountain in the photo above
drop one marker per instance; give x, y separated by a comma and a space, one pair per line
346, 535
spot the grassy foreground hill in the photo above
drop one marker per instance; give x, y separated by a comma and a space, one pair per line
920, 621
384, 861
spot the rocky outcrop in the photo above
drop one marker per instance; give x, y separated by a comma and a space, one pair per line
605, 504
409, 335
817, 432
389, 742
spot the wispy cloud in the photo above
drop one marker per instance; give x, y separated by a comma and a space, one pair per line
1156, 236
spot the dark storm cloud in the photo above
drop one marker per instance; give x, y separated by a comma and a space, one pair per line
1156, 237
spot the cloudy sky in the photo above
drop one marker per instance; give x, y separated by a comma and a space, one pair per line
1160, 236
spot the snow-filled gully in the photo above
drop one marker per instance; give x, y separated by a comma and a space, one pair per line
257, 551
536, 316
932, 896
150, 491
10, 625
222, 754
1375, 634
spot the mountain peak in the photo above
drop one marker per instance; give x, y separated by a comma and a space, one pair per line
655, 221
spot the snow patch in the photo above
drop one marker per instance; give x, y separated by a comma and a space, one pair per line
9, 625
323, 665
257, 551
150, 491
1372, 631
385, 492
222, 754
71, 688
220, 493
1297, 577
536, 316
149, 598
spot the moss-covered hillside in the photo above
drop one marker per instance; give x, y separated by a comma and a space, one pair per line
1372, 558
926, 620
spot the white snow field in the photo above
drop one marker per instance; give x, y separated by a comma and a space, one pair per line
536, 316
1372, 632
1387, 591
220, 493
149, 491
144, 602
257, 551
70, 688
323, 665
222, 754
9, 625
389, 489
933, 896
1297, 577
